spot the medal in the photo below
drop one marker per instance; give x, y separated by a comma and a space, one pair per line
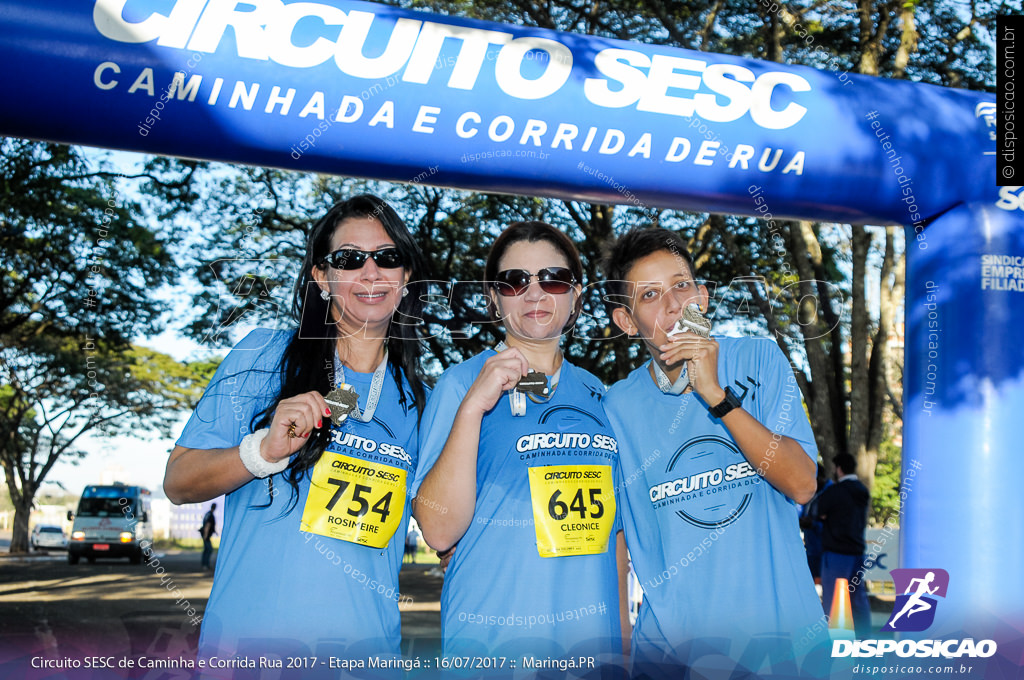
346, 398
692, 321
533, 382
342, 400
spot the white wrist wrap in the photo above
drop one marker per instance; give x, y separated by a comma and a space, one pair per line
249, 452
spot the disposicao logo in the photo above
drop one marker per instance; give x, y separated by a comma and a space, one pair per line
914, 610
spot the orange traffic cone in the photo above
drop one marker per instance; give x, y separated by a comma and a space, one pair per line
840, 620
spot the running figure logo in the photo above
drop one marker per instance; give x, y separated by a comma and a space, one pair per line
914, 610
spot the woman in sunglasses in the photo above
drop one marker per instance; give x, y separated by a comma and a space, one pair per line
311, 433
516, 467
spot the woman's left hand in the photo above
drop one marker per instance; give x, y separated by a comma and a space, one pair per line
701, 355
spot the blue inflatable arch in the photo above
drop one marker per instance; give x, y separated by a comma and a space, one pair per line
360, 89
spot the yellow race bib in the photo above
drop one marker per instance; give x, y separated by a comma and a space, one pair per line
355, 500
573, 508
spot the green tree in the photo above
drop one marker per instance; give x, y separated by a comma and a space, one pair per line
81, 273
885, 496
56, 388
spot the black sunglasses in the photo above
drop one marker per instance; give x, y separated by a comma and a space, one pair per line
350, 258
554, 280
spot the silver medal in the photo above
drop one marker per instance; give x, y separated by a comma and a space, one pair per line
692, 321
342, 401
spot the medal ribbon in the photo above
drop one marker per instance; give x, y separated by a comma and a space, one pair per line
667, 387
376, 387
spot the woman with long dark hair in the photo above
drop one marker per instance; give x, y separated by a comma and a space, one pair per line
517, 467
311, 434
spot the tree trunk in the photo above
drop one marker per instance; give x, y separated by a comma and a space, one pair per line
908, 39
882, 352
871, 35
21, 500
823, 392
19, 536
859, 378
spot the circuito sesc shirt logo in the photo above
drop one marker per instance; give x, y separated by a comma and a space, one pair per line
914, 610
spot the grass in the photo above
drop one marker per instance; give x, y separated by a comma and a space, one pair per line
182, 543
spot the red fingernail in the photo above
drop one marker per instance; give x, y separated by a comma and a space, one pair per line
327, 411
306, 435
320, 423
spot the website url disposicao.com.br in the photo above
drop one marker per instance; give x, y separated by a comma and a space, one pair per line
900, 670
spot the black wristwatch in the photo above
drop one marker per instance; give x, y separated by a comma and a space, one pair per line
730, 402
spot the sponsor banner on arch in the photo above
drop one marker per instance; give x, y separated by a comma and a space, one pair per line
373, 91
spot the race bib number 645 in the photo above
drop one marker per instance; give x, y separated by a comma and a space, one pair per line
573, 508
355, 500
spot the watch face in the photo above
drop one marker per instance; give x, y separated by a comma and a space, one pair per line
729, 403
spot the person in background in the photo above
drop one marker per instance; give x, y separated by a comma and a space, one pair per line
412, 541
811, 525
207, 530
843, 508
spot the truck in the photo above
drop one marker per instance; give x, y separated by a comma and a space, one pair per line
112, 521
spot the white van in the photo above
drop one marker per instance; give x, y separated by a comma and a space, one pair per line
112, 521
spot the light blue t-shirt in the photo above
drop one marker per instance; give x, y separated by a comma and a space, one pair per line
500, 596
716, 548
279, 590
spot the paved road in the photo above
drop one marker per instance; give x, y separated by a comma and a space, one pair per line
53, 609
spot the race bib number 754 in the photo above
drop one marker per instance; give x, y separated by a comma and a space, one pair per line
573, 508
355, 500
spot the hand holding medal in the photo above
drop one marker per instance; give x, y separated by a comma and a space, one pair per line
294, 420
690, 341
500, 374
532, 384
